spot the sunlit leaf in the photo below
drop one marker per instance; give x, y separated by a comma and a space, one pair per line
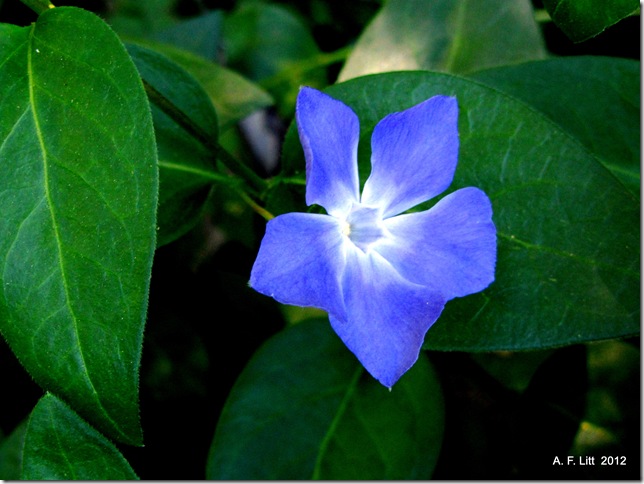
59, 445
78, 197
303, 408
456, 36
568, 230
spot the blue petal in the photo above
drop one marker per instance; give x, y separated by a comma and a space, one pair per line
387, 316
329, 132
301, 260
414, 155
451, 247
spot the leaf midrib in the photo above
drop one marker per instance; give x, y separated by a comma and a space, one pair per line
55, 227
565, 254
351, 387
50, 205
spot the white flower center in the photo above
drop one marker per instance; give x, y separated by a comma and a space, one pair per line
364, 226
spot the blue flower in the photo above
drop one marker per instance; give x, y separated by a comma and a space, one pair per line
383, 277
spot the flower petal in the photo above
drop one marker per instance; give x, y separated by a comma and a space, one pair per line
414, 155
451, 247
301, 260
387, 316
329, 132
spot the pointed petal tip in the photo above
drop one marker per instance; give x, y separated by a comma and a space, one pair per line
309, 97
414, 155
393, 376
329, 131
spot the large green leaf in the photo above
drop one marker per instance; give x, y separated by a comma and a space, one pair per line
304, 408
186, 165
568, 230
78, 196
594, 90
60, 445
582, 19
456, 36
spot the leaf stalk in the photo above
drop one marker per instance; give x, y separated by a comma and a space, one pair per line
231, 163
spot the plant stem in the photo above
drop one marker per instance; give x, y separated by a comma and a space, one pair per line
255, 206
234, 165
298, 68
38, 6
230, 162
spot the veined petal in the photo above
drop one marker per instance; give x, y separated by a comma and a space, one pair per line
301, 260
451, 247
414, 155
329, 131
387, 317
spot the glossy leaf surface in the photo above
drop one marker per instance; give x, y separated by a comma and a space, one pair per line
582, 19
303, 408
59, 445
78, 198
568, 230
597, 89
446, 35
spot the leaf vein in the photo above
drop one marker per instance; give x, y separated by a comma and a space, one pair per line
350, 390
48, 196
569, 255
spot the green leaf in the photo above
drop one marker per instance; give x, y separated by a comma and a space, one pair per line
186, 166
11, 453
60, 445
78, 196
233, 96
137, 18
456, 36
582, 19
568, 230
594, 90
303, 408
200, 35
267, 42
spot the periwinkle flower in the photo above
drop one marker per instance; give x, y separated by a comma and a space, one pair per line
383, 277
